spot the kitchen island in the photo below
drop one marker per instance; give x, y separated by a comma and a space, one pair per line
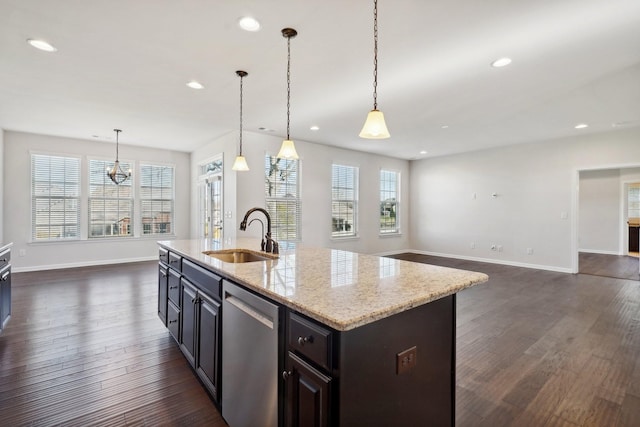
357, 339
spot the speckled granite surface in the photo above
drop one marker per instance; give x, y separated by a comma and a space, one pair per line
341, 289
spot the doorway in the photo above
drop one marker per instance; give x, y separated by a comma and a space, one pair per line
210, 203
608, 205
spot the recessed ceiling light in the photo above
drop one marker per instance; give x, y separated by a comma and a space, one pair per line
248, 23
264, 129
623, 123
502, 62
581, 126
444, 127
314, 128
423, 152
195, 85
42, 45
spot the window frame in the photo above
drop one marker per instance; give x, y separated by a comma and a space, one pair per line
278, 221
34, 198
395, 230
354, 171
106, 183
141, 199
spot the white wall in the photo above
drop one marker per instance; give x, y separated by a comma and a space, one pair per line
2, 241
536, 185
244, 190
599, 211
17, 198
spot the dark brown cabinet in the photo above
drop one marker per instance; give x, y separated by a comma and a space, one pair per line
5, 287
308, 394
199, 337
634, 239
163, 283
398, 370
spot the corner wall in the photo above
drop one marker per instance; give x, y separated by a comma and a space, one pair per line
535, 205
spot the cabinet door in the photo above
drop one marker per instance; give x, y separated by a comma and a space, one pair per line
208, 342
188, 321
162, 294
5, 296
308, 394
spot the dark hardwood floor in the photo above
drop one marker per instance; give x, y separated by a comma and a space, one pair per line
534, 348
619, 266
85, 346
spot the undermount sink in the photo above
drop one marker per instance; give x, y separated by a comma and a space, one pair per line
238, 255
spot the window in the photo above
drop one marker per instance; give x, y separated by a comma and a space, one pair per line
110, 205
344, 200
389, 201
282, 197
156, 199
634, 201
55, 198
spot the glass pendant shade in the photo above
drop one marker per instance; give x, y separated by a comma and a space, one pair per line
240, 164
288, 150
374, 127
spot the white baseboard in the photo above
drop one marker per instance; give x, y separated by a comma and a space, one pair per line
597, 251
80, 264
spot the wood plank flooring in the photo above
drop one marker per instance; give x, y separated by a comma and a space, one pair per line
85, 346
534, 348
619, 266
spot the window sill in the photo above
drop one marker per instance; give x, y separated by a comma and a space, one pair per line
385, 235
345, 238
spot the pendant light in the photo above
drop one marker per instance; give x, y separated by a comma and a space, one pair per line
117, 175
241, 163
288, 149
375, 127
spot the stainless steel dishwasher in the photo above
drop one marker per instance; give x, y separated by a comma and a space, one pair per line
249, 358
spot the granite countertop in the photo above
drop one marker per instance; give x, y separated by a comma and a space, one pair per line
341, 289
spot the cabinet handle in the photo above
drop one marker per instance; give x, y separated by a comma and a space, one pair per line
173, 287
286, 375
173, 321
303, 340
3, 260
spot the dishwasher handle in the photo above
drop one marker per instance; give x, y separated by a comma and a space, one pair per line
249, 310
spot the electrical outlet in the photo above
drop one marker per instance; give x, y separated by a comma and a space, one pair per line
22, 252
529, 251
499, 248
406, 360
473, 245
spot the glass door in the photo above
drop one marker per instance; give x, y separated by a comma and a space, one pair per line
211, 200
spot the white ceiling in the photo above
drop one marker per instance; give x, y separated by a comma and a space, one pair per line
125, 63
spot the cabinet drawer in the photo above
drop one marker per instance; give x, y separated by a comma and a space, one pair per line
310, 339
174, 287
205, 280
5, 258
173, 320
175, 261
163, 255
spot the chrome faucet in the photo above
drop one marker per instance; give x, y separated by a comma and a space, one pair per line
271, 245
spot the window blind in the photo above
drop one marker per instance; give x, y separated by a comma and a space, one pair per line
344, 200
110, 205
282, 197
55, 198
156, 199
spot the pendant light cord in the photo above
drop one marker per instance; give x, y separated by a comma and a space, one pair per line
375, 54
241, 77
117, 141
288, 84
